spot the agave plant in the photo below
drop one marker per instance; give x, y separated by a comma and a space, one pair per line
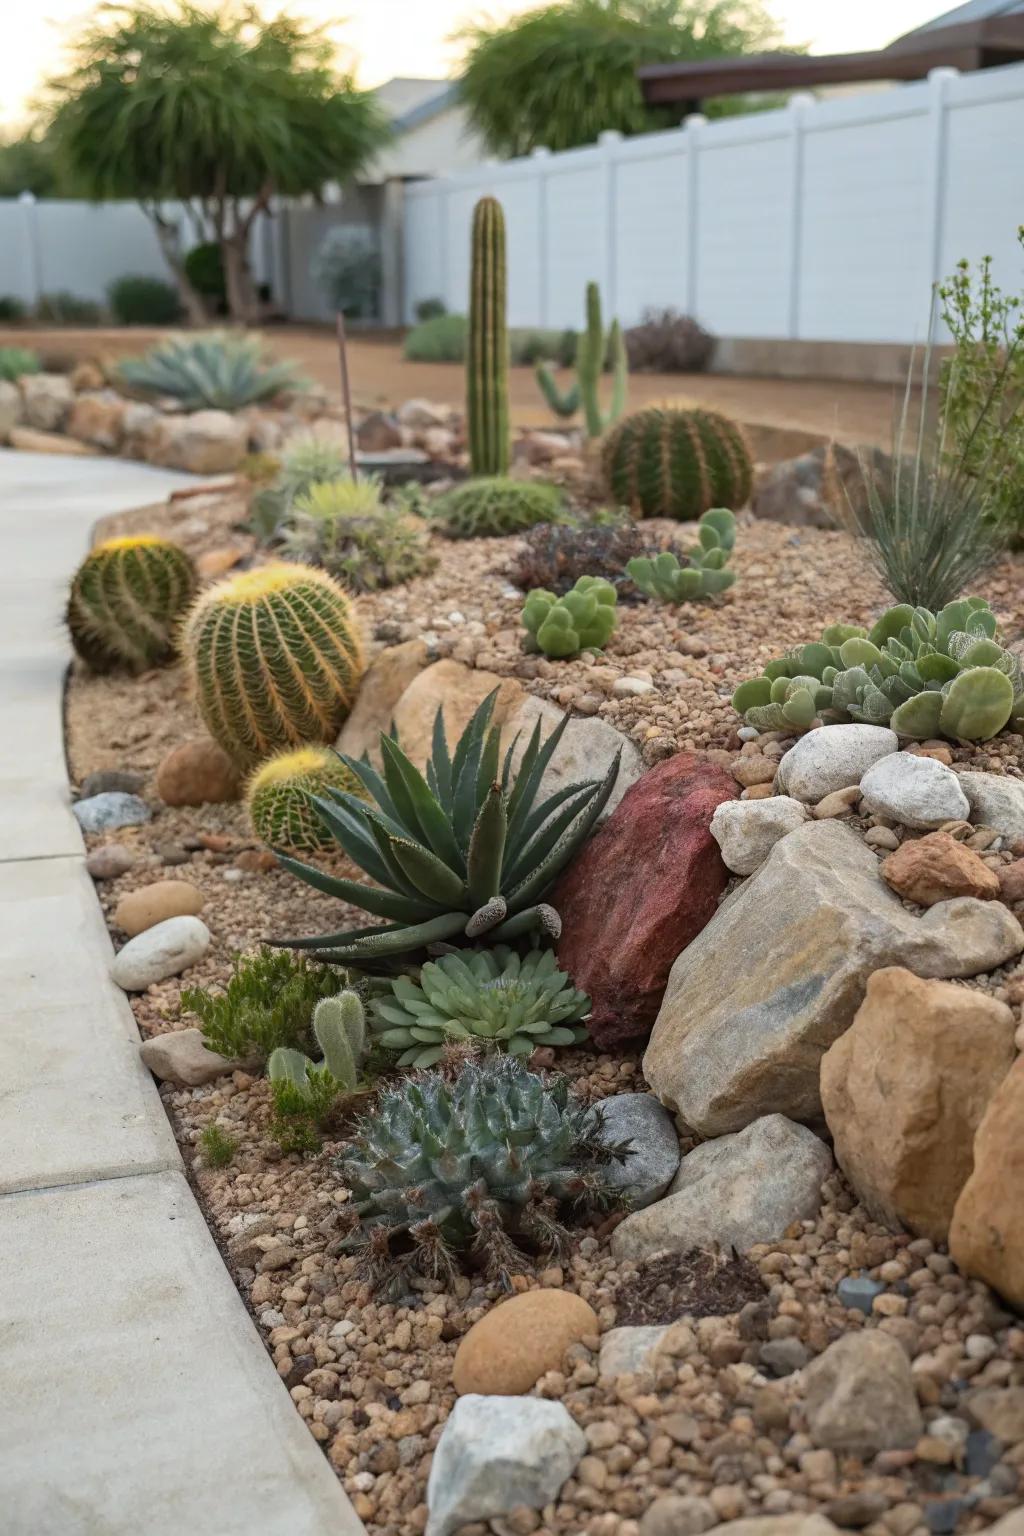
464, 852
218, 370
491, 998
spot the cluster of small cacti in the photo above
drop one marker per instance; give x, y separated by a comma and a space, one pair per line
346, 528
307, 461
487, 347
923, 674
491, 998
306, 1093
465, 852
126, 603
496, 505
676, 463
664, 578
484, 1165
583, 620
275, 660
268, 1002
592, 347
281, 797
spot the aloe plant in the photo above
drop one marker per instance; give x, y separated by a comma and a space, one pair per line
219, 370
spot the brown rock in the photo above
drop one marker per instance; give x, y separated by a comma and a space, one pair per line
938, 868
197, 773
378, 432
86, 377
755, 769
109, 860
182, 1057
97, 418
513, 1345
151, 904
904, 1090
986, 1237
1000, 1410
217, 562
1011, 882
640, 891
385, 680
860, 1397
459, 690
256, 861
31, 441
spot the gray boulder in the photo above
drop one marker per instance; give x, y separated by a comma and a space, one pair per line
860, 1396
654, 1159
915, 791
109, 810
832, 757
996, 801
747, 830
584, 752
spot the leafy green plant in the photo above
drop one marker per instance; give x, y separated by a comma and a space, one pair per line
476, 1166
12, 310
306, 1094
705, 573
204, 268
464, 852
143, 301
592, 348
217, 1147
429, 309
556, 555
346, 527
219, 370
15, 361
126, 603
495, 505
490, 998
923, 674
676, 463
347, 270
437, 339
280, 794
583, 620
487, 430
64, 308
268, 1002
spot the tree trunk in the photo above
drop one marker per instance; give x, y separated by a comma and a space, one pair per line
167, 237
243, 301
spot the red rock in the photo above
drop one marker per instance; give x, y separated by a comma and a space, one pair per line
640, 892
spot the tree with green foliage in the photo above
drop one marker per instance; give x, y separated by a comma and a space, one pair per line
28, 163
217, 108
561, 75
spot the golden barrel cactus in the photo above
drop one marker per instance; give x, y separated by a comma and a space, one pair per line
279, 797
126, 602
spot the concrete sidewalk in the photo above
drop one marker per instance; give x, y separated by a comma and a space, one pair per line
136, 1394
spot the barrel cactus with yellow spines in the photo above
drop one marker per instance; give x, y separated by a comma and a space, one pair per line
275, 659
126, 602
676, 463
487, 351
279, 797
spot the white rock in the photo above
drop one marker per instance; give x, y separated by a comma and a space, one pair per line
734, 1191
182, 1057
164, 950
47, 399
624, 1351
497, 1452
915, 791
996, 801
747, 830
631, 687
833, 757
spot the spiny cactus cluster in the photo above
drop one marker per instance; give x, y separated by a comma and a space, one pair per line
126, 602
675, 463
306, 1093
275, 660
923, 674
591, 349
307, 461
347, 529
485, 1165
664, 578
495, 506
583, 620
487, 348
490, 998
464, 852
280, 796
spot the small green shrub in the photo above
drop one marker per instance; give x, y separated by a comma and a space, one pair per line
429, 309
220, 370
494, 505
667, 342
204, 268
14, 361
63, 308
217, 1147
143, 301
268, 1002
347, 270
441, 339
12, 310
583, 620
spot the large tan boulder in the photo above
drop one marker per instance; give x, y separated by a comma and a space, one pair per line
517, 1342
904, 1090
384, 682
202, 442
459, 691
152, 904
986, 1237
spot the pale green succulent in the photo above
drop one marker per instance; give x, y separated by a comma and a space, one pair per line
663, 577
491, 998
583, 620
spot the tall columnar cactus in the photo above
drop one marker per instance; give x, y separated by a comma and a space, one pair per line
675, 463
487, 352
280, 797
590, 355
126, 602
275, 659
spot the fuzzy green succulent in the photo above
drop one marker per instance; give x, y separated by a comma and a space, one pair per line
490, 998
476, 1166
496, 505
466, 851
348, 529
921, 673
664, 578
583, 620
305, 1092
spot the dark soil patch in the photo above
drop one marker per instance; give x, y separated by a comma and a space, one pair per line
694, 1284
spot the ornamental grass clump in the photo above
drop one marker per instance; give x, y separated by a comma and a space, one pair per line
280, 797
705, 573
467, 851
583, 620
492, 999
480, 1169
126, 603
268, 1002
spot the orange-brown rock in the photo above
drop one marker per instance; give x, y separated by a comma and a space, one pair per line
938, 868
517, 1342
1011, 882
197, 773
217, 562
904, 1090
987, 1234
152, 904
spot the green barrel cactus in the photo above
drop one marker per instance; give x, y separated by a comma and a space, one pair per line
126, 603
490, 998
280, 797
582, 620
275, 660
495, 506
662, 576
591, 349
675, 463
487, 347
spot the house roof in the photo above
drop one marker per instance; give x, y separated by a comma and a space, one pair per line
411, 102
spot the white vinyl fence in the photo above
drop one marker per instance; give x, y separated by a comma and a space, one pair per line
826, 220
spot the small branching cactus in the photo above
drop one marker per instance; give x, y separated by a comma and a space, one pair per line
583, 620
676, 463
485, 1165
306, 1093
492, 507
492, 999
591, 349
280, 797
664, 578
126, 603
275, 659
487, 347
